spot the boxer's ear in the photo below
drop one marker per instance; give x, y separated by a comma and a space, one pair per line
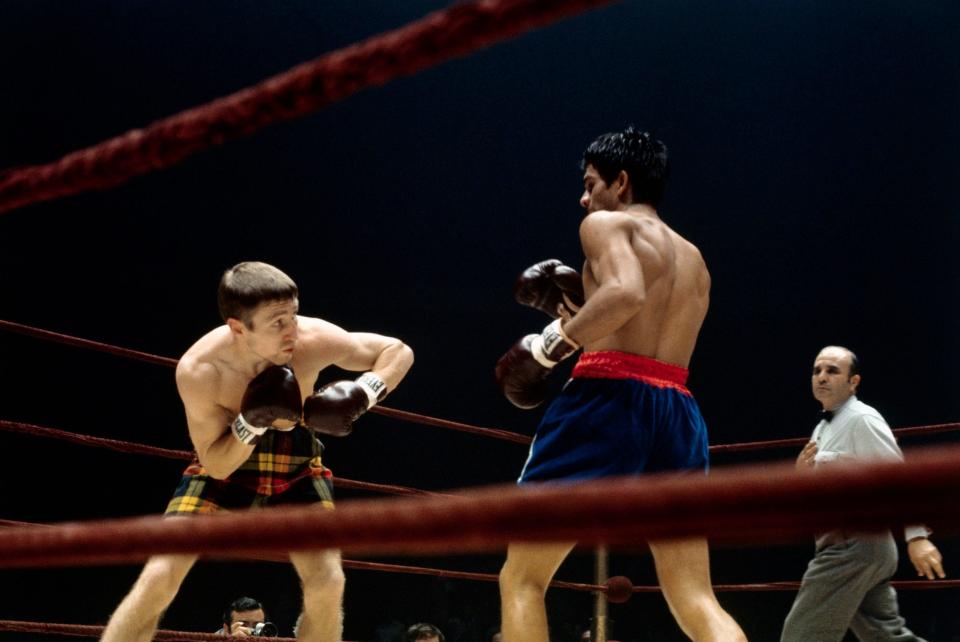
236, 326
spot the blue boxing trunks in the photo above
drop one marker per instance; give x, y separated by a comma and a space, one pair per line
620, 414
284, 468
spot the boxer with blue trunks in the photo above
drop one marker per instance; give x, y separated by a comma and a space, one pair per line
620, 414
636, 311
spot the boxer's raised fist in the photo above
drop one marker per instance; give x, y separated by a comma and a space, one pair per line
523, 370
550, 286
333, 409
522, 380
272, 396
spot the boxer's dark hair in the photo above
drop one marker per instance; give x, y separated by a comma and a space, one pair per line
639, 154
238, 606
246, 285
423, 631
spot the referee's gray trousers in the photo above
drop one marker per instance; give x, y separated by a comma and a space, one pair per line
846, 587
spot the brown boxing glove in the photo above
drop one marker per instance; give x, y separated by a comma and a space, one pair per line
522, 372
333, 409
550, 286
271, 396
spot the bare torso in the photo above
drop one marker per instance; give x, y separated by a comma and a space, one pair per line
675, 288
213, 374
215, 356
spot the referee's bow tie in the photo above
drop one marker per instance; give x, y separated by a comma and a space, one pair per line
826, 415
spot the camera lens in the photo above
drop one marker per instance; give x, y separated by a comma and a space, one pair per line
265, 630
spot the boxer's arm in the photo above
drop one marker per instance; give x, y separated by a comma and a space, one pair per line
220, 453
384, 362
621, 286
325, 344
388, 358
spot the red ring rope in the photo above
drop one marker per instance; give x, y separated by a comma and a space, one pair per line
776, 500
574, 586
91, 631
124, 446
403, 415
775, 586
142, 449
579, 586
440, 36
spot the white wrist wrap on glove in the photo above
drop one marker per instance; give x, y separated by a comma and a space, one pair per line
547, 341
246, 432
536, 349
374, 386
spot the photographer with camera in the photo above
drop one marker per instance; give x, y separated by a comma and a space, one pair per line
245, 617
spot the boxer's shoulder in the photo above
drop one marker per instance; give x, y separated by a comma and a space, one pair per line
319, 344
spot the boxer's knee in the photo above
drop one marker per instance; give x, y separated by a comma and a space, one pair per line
161, 578
514, 581
529, 569
321, 575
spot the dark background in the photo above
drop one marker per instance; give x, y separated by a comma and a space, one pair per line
814, 149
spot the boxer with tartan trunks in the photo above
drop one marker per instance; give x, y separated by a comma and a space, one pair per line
285, 468
252, 411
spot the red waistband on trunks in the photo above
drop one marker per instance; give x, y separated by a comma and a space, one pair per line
623, 365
